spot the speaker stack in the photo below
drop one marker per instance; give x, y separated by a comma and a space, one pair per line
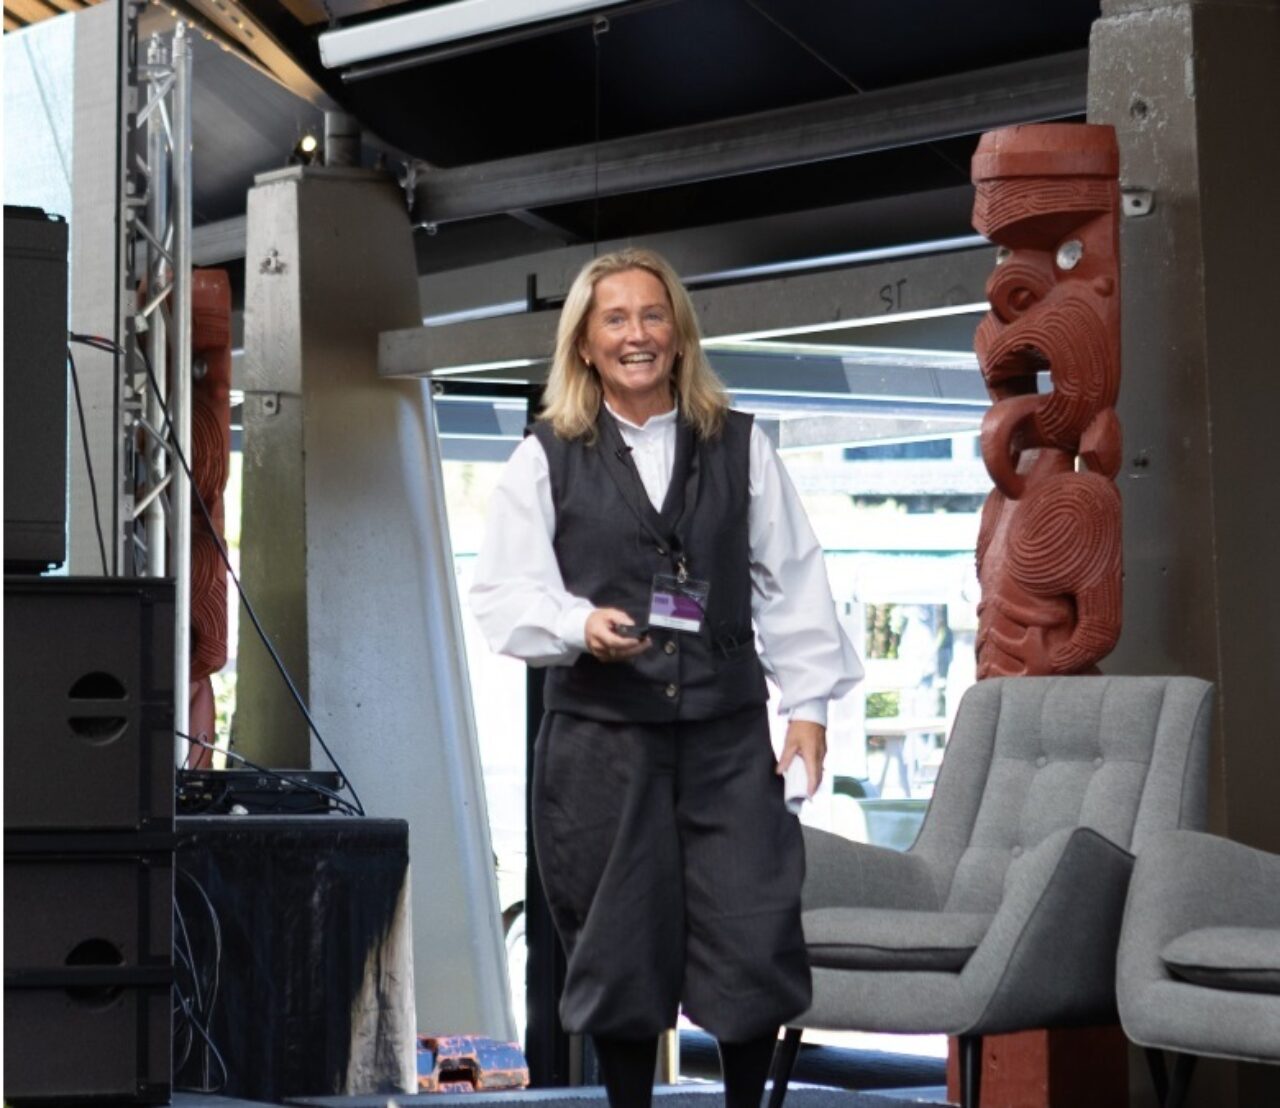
88, 818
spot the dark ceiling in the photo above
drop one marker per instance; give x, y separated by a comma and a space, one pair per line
675, 63
566, 95
666, 64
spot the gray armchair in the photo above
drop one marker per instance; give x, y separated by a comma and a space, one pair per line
1199, 964
1005, 914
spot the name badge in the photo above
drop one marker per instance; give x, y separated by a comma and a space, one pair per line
679, 604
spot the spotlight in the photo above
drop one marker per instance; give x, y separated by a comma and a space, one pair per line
306, 151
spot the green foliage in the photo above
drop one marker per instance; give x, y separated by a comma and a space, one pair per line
884, 631
882, 705
224, 699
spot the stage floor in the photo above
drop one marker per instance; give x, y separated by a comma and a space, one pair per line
691, 1095
708, 1095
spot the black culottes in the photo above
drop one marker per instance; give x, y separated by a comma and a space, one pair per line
673, 872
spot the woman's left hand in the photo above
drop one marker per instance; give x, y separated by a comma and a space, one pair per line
808, 742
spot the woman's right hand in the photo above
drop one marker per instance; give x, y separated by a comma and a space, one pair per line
605, 643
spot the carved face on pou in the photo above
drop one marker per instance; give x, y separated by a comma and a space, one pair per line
1048, 197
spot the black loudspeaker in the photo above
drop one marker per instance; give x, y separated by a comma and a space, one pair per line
88, 712
88, 845
88, 975
35, 390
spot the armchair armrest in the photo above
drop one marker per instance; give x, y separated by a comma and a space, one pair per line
840, 873
1049, 957
1187, 880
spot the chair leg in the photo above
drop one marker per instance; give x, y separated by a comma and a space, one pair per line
1159, 1074
784, 1061
1170, 1093
970, 1071
1184, 1066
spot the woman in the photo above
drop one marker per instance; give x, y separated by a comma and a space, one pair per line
632, 540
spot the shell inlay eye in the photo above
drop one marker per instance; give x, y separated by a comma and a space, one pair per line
1069, 254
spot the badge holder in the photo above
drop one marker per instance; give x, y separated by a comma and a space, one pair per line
678, 601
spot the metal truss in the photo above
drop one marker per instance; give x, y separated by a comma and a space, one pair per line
154, 326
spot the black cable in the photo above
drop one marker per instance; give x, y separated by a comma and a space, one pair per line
302, 783
191, 749
210, 1046
88, 462
191, 954
205, 1011
105, 344
599, 27
187, 960
199, 1017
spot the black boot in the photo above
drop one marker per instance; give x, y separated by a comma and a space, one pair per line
627, 1066
746, 1068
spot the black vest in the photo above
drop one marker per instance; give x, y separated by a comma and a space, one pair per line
610, 542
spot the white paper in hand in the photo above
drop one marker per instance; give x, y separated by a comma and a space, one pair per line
795, 787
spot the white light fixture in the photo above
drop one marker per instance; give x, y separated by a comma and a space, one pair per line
848, 324
445, 23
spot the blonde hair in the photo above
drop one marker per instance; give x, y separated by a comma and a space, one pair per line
571, 403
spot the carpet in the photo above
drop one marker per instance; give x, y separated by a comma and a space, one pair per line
680, 1096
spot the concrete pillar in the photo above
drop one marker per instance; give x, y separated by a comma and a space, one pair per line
346, 554
1193, 90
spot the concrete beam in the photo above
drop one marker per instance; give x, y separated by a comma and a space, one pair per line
903, 115
697, 252
899, 289
221, 241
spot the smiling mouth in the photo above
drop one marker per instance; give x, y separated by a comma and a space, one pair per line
637, 359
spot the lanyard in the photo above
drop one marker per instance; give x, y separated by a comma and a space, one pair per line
621, 467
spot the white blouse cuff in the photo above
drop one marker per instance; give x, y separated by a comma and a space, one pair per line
810, 711
571, 627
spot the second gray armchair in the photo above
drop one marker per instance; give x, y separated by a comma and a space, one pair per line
1006, 912
1199, 965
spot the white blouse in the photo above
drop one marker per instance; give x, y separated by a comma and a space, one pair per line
519, 598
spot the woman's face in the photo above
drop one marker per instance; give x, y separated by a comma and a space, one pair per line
630, 337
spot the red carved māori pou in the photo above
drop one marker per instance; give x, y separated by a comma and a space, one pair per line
210, 462
1049, 558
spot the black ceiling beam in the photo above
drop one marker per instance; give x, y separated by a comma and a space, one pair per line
925, 111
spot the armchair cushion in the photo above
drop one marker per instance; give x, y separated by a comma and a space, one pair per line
878, 939
1243, 958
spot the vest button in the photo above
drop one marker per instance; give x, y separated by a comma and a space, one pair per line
669, 647
672, 690
661, 550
